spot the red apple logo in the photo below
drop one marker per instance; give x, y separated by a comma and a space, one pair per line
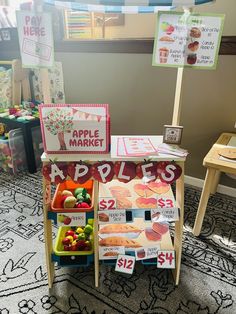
125, 170
147, 169
79, 172
103, 171
168, 172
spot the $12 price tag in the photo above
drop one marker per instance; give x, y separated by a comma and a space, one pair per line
107, 203
125, 264
166, 259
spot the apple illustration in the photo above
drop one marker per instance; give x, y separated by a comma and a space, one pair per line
103, 171
55, 172
168, 172
67, 220
192, 58
79, 172
125, 170
170, 29
147, 169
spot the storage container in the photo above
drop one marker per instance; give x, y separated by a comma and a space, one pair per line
37, 144
12, 152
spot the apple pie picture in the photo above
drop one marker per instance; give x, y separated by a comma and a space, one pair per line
119, 241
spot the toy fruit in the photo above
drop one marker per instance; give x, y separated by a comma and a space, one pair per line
70, 233
88, 229
81, 245
66, 192
70, 202
79, 230
75, 236
81, 236
90, 221
70, 238
78, 191
67, 247
63, 198
66, 241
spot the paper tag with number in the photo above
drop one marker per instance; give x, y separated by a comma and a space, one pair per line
71, 219
166, 259
110, 252
125, 264
107, 203
146, 252
117, 216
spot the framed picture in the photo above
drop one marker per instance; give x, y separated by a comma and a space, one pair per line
172, 134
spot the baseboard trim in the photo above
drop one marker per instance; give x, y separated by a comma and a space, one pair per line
223, 189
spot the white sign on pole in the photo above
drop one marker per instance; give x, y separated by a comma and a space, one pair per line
35, 38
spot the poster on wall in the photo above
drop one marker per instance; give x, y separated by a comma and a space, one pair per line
187, 40
35, 39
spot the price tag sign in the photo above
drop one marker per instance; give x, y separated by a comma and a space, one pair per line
146, 252
107, 203
117, 216
165, 214
110, 252
125, 264
71, 219
166, 259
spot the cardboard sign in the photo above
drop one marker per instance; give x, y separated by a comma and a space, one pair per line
112, 216
166, 259
111, 252
125, 264
189, 40
76, 128
71, 219
35, 38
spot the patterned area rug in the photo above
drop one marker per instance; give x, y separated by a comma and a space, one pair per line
208, 273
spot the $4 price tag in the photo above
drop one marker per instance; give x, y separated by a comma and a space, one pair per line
125, 264
107, 203
166, 259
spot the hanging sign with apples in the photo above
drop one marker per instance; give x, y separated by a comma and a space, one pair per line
105, 171
186, 39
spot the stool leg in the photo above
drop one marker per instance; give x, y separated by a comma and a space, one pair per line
203, 201
215, 182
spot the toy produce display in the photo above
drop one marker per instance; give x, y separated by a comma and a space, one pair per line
27, 110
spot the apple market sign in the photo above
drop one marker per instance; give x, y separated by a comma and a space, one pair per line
104, 171
35, 38
187, 40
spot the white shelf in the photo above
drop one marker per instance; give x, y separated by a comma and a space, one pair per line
156, 140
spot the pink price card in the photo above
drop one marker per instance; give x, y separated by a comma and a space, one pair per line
138, 146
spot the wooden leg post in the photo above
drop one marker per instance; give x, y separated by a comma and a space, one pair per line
209, 180
215, 182
179, 224
96, 247
48, 232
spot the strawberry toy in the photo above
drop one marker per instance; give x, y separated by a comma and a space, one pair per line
103, 171
56, 173
125, 170
168, 172
147, 169
79, 172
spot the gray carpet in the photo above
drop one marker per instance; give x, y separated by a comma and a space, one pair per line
208, 274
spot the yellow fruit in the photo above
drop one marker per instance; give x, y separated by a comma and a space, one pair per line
79, 230
71, 238
66, 192
74, 242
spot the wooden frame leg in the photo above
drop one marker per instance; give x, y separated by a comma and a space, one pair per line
48, 232
96, 246
215, 182
209, 180
179, 224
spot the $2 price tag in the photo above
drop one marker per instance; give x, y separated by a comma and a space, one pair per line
107, 203
125, 264
166, 259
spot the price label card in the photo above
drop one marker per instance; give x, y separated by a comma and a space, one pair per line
166, 259
71, 219
110, 252
165, 214
107, 203
117, 216
146, 252
125, 264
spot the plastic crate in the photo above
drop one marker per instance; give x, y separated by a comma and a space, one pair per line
71, 186
37, 144
12, 152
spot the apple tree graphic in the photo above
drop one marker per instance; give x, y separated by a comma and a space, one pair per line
58, 122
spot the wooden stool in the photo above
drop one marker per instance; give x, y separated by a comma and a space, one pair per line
214, 168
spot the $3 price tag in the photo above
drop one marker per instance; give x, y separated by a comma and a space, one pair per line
125, 264
166, 259
107, 203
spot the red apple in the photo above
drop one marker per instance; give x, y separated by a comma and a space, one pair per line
79, 172
70, 233
67, 247
125, 170
103, 171
168, 172
66, 241
147, 169
55, 172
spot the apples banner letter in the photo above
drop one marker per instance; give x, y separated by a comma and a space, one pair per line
168, 171
103, 171
79, 172
125, 170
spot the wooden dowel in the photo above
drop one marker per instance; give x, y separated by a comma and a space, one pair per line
178, 97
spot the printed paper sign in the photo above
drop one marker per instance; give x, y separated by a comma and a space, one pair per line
165, 214
107, 203
116, 216
146, 252
71, 219
138, 146
111, 252
35, 38
125, 264
166, 259
185, 39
